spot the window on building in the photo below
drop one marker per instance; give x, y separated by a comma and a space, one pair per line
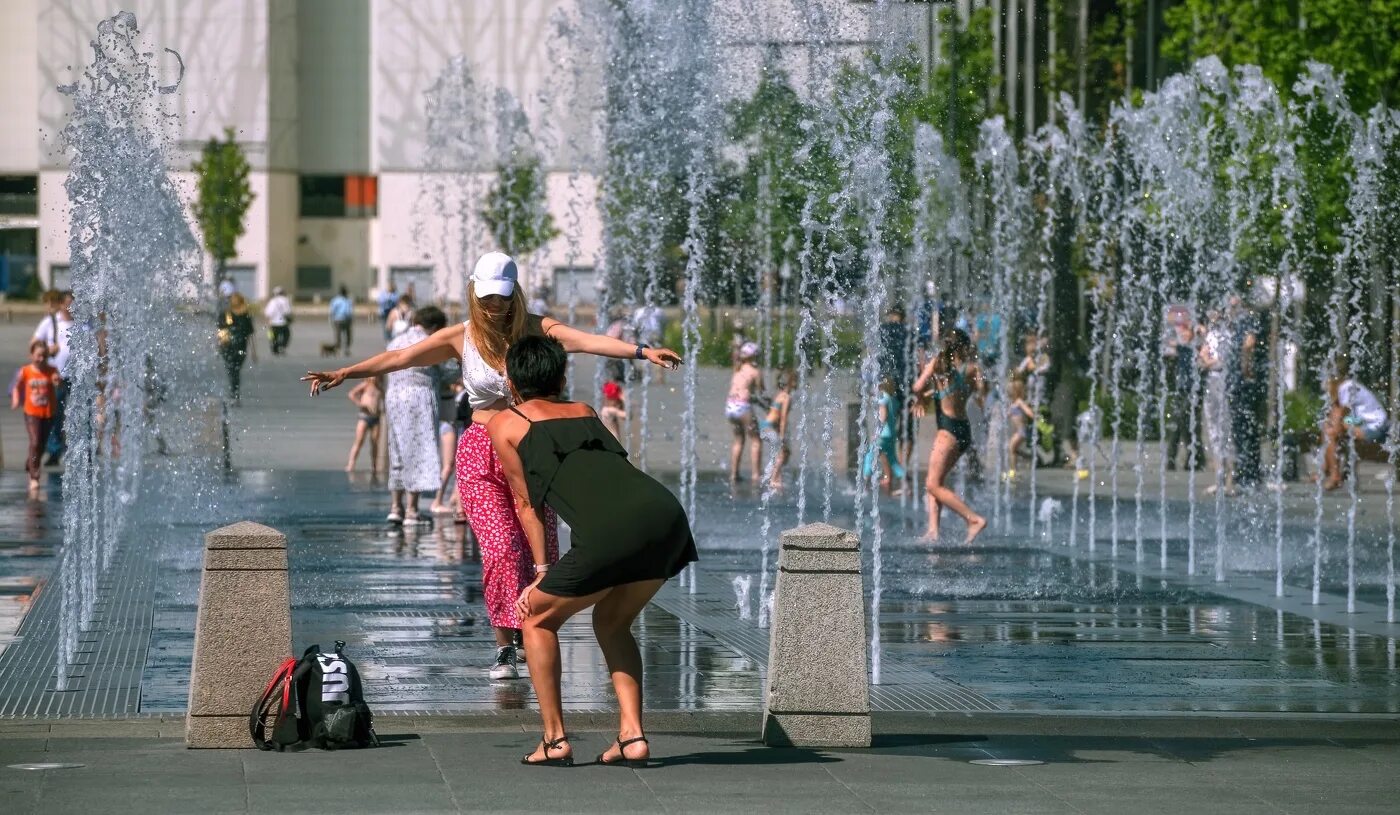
60, 277
414, 280
313, 279
19, 195
575, 284
339, 196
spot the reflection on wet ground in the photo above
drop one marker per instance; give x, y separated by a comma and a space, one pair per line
28, 532
1001, 625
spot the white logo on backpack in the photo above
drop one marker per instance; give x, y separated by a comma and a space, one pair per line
335, 679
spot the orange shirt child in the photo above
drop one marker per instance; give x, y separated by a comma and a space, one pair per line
36, 389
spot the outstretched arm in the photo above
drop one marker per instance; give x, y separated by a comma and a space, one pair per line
434, 350
582, 342
921, 384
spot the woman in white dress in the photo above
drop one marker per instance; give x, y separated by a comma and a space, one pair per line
411, 409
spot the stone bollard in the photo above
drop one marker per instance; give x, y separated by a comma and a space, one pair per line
818, 692
243, 632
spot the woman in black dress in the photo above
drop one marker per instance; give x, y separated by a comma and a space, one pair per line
629, 535
235, 329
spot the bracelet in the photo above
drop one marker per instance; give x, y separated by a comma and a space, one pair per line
640, 348
541, 568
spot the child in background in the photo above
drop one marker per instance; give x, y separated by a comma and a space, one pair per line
36, 391
885, 442
744, 386
1018, 417
368, 397
775, 425
614, 409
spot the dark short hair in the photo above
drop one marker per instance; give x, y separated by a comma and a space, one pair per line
430, 318
535, 366
344, 292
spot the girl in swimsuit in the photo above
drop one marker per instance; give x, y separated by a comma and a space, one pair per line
953, 376
744, 385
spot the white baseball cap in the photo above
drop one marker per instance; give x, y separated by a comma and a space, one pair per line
495, 273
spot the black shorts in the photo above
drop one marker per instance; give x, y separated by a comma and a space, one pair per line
961, 429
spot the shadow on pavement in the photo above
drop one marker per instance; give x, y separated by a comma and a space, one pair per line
755, 755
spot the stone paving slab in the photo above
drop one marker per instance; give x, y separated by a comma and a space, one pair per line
472, 771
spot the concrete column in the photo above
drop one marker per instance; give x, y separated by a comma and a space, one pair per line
243, 632
818, 692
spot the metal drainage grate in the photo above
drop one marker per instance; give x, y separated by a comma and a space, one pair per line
1005, 762
46, 766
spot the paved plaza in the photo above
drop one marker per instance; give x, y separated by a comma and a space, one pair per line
1136, 686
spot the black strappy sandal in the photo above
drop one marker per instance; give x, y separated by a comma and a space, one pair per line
566, 761
622, 760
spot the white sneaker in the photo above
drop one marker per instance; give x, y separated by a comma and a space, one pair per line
505, 664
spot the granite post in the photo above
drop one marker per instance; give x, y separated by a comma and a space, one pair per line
243, 631
818, 692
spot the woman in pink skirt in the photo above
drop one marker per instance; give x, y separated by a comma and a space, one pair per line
497, 317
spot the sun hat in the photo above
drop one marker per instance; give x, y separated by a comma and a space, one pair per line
612, 390
748, 350
495, 273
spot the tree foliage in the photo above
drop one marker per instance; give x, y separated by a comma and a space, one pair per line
1360, 39
515, 210
224, 196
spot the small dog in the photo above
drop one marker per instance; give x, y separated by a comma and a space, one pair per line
329, 349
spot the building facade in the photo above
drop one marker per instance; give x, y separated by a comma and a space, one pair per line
328, 98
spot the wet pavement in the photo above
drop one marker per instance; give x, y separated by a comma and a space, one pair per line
1006, 625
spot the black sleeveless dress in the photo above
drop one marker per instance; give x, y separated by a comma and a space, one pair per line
626, 525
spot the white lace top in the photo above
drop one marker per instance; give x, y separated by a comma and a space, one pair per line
483, 384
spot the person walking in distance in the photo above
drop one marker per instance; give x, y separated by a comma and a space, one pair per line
235, 331
342, 319
278, 313
497, 318
1245, 385
387, 300
34, 393
54, 330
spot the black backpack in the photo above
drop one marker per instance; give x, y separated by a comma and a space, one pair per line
319, 702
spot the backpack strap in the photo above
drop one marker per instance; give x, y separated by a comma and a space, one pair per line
257, 718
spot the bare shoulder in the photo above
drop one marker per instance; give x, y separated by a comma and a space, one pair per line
503, 427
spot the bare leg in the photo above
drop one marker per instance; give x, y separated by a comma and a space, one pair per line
612, 623
1331, 457
396, 502
755, 452
374, 450
940, 460
542, 643
736, 450
945, 455
355, 446
447, 447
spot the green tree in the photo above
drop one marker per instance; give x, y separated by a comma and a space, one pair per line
515, 208
1360, 39
959, 87
224, 198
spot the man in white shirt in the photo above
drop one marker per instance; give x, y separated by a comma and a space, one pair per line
1356, 411
54, 329
278, 313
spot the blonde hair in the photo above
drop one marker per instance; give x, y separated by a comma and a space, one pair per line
491, 335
